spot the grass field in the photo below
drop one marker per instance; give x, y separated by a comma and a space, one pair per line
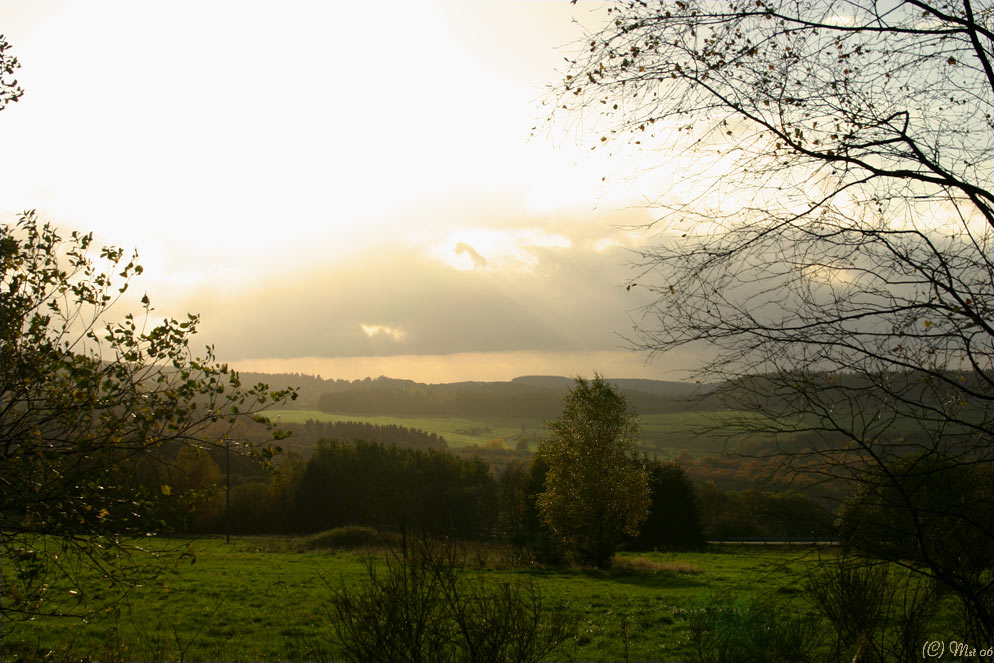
457, 431
696, 432
667, 435
262, 599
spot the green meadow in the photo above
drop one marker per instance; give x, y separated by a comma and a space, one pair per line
457, 431
666, 435
267, 599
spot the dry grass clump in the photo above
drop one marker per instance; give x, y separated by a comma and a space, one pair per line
349, 537
646, 565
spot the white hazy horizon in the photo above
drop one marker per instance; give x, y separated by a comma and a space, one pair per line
388, 197
474, 366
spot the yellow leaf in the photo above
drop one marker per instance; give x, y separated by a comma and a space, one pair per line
166, 490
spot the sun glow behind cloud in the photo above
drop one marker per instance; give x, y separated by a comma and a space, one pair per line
311, 183
494, 250
266, 120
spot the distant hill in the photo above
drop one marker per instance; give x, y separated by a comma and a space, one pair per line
654, 387
526, 396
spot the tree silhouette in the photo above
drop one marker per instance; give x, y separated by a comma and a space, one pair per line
93, 408
826, 229
10, 90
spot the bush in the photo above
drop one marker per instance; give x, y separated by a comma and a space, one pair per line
420, 604
875, 614
754, 631
349, 537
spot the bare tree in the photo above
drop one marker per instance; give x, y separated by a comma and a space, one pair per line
827, 230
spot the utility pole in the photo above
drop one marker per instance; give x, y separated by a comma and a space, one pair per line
227, 490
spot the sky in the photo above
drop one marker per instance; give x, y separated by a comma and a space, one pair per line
336, 189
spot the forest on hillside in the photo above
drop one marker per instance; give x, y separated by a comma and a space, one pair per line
527, 396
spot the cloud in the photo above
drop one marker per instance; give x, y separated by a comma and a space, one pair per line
396, 333
508, 248
411, 232
478, 260
544, 288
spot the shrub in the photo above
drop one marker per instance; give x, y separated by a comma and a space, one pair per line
420, 604
348, 537
875, 614
757, 630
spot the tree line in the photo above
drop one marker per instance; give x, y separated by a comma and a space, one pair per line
439, 492
489, 399
394, 488
311, 432
392, 477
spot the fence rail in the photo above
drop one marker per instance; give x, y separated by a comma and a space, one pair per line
776, 540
